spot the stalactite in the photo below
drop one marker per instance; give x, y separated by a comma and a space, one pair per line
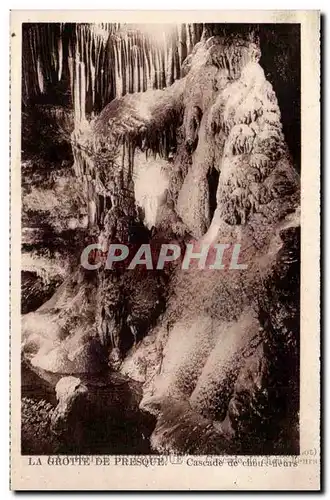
188, 38
127, 65
134, 69
34, 63
119, 73
71, 68
140, 71
76, 78
50, 37
60, 55
40, 77
82, 92
103, 61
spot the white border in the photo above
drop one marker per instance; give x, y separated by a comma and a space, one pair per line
310, 160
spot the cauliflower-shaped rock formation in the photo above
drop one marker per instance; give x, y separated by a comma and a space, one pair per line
217, 350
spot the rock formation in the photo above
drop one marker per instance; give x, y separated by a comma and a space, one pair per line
89, 416
204, 161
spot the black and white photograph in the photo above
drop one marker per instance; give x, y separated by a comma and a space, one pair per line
160, 273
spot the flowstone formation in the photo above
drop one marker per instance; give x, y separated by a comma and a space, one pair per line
202, 161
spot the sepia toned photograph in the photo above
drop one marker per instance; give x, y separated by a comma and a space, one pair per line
160, 194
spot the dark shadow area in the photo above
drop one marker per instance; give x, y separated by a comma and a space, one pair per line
213, 180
